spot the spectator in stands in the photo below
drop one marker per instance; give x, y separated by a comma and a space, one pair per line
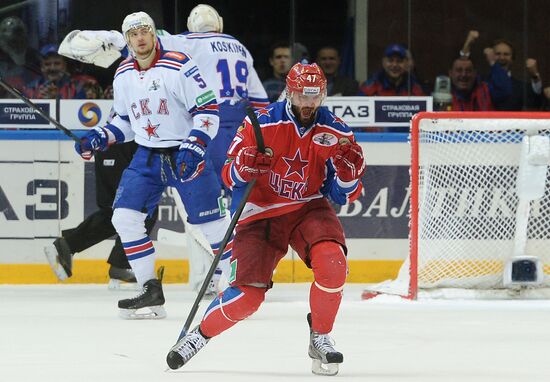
328, 59
93, 90
19, 63
546, 99
515, 94
55, 80
108, 92
468, 91
411, 68
524, 95
280, 61
394, 79
300, 53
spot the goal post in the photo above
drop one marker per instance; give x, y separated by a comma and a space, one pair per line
479, 205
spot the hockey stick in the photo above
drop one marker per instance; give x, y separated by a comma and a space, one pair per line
261, 148
17, 94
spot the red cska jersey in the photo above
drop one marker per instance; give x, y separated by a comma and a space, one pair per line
302, 165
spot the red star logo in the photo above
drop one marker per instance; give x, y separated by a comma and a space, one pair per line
206, 123
264, 112
295, 165
338, 120
151, 129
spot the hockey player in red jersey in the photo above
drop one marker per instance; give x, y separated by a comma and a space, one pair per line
311, 156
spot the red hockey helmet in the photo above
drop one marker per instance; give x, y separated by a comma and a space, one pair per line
306, 79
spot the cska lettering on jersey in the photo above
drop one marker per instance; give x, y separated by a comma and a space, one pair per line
287, 188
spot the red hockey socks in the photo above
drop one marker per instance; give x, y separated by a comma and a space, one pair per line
233, 305
329, 266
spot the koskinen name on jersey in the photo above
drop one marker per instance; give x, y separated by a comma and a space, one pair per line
224, 46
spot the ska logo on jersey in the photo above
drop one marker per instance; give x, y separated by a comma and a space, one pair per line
155, 85
151, 129
325, 139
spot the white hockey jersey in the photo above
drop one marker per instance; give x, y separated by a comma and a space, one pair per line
225, 63
160, 106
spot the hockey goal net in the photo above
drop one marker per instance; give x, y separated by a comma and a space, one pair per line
479, 206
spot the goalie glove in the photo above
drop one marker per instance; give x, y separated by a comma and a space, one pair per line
96, 139
101, 48
250, 163
190, 159
349, 162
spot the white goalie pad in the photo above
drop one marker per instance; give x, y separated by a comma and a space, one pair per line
100, 48
197, 247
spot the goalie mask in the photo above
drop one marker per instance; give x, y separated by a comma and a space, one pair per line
306, 89
137, 20
13, 39
204, 18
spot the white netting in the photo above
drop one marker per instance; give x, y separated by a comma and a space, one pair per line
467, 201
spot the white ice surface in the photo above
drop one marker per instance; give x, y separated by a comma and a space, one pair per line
72, 333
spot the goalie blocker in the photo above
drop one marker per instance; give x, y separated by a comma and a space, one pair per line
101, 48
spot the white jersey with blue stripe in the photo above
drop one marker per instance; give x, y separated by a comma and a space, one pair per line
163, 105
226, 64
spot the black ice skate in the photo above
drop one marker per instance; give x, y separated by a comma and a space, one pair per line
151, 298
60, 258
186, 348
119, 276
325, 359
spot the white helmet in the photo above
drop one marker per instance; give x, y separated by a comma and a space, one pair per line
137, 20
204, 18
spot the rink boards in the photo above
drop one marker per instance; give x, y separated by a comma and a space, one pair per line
46, 187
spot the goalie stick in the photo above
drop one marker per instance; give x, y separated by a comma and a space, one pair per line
261, 148
17, 94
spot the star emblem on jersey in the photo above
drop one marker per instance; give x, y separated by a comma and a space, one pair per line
295, 165
206, 123
264, 112
338, 120
151, 129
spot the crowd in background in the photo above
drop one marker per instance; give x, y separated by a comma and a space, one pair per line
43, 73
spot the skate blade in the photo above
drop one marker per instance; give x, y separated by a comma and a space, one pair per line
51, 256
147, 313
319, 368
115, 284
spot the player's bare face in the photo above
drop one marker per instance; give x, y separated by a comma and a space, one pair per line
142, 41
305, 106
